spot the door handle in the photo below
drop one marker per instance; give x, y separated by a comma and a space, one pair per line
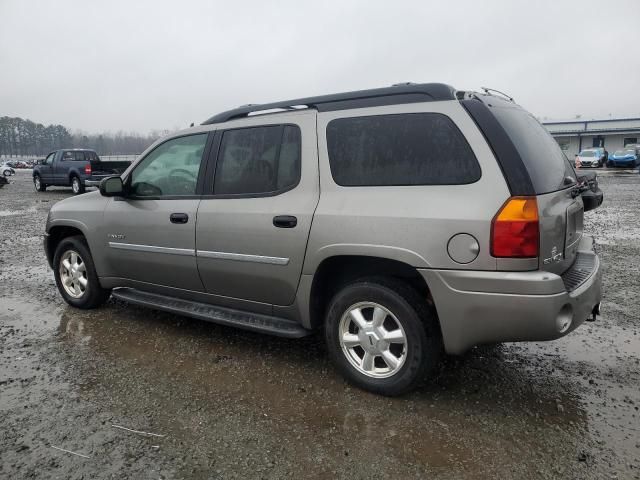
179, 218
285, 221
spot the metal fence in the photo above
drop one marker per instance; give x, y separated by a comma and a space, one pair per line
118, 158
106, 158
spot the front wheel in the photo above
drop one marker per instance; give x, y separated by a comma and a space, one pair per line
76, 275
38, 184
382, 336
76, 185
6, 173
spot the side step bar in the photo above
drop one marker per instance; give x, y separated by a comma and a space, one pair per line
257, 322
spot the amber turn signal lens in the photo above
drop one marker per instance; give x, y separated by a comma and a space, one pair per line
515, 231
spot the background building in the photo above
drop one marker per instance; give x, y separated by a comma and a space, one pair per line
612, 134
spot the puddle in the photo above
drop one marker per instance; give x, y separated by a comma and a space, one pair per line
8, 213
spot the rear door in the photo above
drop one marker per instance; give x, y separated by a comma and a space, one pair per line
150, 234
553, 179
253, 228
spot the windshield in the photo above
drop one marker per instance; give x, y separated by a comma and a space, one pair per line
622, 153
587, 153
544, 160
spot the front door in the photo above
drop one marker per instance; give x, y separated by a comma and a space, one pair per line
150, 234
252, 231
46, 169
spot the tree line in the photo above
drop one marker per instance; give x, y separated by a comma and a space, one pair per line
20, 137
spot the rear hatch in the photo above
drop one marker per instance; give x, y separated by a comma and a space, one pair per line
554, 181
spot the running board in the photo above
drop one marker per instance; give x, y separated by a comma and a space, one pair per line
257, 322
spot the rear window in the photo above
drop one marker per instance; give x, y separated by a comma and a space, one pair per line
545, 162
404, 149
82, 156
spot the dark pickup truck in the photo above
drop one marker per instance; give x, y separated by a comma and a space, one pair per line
78, 168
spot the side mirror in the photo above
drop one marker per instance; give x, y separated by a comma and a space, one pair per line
111, 187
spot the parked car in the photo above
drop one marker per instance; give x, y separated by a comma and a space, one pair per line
633, 146
591, 157
404, 222
79, 168
6, 170
627, 158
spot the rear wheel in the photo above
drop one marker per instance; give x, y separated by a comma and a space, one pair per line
382, 336
76, 185
37, 183
76, 275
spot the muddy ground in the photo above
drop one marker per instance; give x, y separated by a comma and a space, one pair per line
232, 404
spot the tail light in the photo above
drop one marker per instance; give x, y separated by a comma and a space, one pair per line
87, 169
515, 230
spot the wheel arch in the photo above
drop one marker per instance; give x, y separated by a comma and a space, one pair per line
59, 232
336, 271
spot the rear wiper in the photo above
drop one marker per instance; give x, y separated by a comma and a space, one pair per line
579, 189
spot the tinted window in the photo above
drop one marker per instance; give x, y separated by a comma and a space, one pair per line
170, 169
258, 160
406, 149
79, 156
544, 160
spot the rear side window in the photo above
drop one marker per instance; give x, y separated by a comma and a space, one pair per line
258, 160
543, 158
404, 149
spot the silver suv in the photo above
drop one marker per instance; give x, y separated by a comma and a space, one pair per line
405, 222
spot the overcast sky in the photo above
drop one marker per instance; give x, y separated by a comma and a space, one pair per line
143, 65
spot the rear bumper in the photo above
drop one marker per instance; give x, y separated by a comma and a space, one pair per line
94, 181
476, 307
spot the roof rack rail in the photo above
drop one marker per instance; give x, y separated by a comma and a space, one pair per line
397, 94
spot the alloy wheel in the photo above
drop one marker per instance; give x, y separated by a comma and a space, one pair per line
73, 274
373, 340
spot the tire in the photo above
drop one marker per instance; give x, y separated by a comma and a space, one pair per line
404, 313
93, 295
37, 183
6, 173
609, 164
76, 185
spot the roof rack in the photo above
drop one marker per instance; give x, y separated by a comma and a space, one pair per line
397, 94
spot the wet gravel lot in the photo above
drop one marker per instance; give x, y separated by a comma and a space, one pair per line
233, 404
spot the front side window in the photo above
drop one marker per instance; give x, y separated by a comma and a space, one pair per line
397, 150
170, 169
258, 160
49, 160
